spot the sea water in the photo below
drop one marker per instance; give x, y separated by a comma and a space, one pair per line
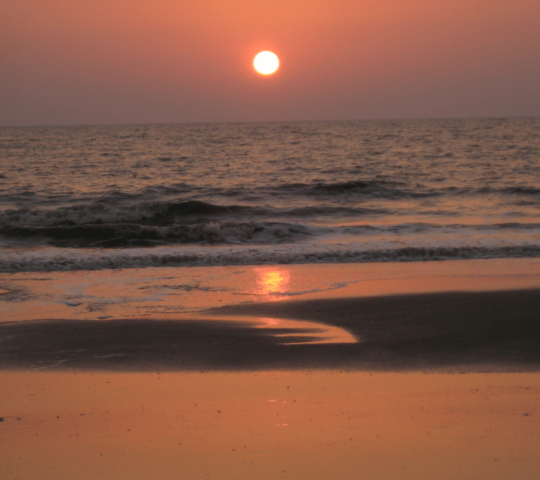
109, 197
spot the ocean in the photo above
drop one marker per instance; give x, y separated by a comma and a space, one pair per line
137, 196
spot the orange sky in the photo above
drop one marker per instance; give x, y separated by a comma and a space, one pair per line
142, 61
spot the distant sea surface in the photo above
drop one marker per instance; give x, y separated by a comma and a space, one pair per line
110, 197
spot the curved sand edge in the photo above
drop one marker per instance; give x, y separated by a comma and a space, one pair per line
474, 331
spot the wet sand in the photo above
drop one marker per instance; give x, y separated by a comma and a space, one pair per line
475, 331
256, 389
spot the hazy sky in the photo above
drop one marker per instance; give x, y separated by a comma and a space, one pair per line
159, 61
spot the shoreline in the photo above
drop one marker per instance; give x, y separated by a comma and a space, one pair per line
470, 316
173, 293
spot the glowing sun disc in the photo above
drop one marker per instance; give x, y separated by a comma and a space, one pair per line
266, 63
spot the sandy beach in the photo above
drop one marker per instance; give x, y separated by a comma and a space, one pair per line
317, 425
384, 371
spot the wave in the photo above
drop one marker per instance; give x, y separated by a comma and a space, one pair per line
145, 213
119, 235
383, 189
396, 190
522, 190
114, 259
132, 235
164, 204
129, 235
115, 235
104, 217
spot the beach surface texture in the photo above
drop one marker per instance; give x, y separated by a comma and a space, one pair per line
401, 371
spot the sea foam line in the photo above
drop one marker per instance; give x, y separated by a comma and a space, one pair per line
52, 260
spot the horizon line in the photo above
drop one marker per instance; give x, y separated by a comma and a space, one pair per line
245, 122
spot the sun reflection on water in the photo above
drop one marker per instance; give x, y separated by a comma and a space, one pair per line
272, 281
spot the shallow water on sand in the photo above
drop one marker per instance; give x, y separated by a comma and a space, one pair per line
175, 293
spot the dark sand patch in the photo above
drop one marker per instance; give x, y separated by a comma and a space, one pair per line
478, 331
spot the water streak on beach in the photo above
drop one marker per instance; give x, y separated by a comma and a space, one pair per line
109, 197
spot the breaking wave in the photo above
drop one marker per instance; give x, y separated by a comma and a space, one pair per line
141, 258
131, 235
241, 194
149, 213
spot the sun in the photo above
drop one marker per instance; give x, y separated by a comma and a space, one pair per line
266, 63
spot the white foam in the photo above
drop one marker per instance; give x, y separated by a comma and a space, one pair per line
56, 259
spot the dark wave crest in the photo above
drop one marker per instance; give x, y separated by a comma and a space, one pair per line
383, 189
111, 235
145, 213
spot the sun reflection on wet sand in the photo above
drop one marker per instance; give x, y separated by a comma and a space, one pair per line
166, 293
272, 281
315, 332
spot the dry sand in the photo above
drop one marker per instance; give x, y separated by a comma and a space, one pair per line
80, 395
268, 425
